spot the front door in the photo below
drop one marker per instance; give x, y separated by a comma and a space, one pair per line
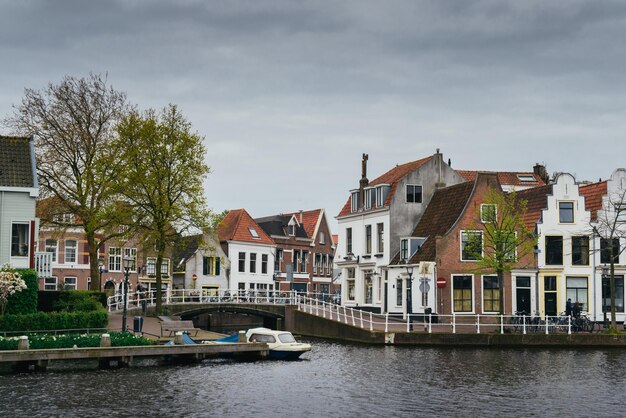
550, 303
523, 301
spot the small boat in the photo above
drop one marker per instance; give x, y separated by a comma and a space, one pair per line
282, 345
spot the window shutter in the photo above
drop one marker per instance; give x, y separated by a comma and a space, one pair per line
217, 266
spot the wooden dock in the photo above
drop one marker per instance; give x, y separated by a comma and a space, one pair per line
24, 360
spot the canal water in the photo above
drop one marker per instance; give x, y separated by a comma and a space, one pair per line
339, 380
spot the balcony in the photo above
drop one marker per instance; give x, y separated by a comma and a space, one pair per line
43, 264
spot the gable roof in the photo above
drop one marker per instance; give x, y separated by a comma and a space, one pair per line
506, 178
310, 220
17, 161
235, 227
593, 194
536, 201
276, 225
391, 177
184, 248
442, 212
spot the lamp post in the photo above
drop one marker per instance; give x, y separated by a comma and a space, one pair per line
605, 289
128, 261
409, 290
101, 266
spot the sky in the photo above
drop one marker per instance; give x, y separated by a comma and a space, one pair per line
289, 94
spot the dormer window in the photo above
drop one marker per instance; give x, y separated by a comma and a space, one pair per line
381, 195
292, 230
253, 232
370, 196
354, 203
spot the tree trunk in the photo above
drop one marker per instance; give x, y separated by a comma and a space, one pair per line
612, 285
501, 288
94, 268
160, 245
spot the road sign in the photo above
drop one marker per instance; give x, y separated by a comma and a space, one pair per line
441, 282
424, 287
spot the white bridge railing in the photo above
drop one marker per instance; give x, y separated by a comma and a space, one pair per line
455, 323
143, 299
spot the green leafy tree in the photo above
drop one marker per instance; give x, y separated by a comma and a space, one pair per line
73, 124
505, 239
165, 170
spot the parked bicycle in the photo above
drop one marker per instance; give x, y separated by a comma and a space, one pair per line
583, 324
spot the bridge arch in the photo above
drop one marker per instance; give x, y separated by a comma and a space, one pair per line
272, 316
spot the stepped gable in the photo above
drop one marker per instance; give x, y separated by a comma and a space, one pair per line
441, 214
391, 178
593, 194
16, 162
537, 201
236, 227
506, 178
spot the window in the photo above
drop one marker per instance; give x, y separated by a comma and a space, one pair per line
50, 283
580, 251
151, 267
549, 283
413, 193
63, 218
70, 283
317, 260
380, 233
304, 261
253, 232
264, 263
462, 293
70, 251
165, 267
292, 229
115, 259
526, 178
278, 260
369, 198
242, 262
605, 256
131, 253
296, 260
404, 249
399, 292
19, 239
322, 238
350, 283
51, 247
252, 262
348, 240
522, 282
471, 245
211, 266
381, 195
491, 294
566, 212
620, 209
554, 250
368, 239
619, 294
368, 289
488, 213
354, 204
509, 246
329, 266
577, 291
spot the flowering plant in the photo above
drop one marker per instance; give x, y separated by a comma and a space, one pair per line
10, 282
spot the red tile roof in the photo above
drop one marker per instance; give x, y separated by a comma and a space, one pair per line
310, 218
506, 178
234, 227
536, 200
593, 194
391, 177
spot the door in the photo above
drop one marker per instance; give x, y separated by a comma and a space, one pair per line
523, 301
550, 303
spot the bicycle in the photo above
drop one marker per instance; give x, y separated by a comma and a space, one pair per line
583, 323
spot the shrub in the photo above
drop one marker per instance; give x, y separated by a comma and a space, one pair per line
25, 301
46, 341
71, 300
54, 320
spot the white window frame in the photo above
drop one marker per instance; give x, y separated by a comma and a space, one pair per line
354, 201
482, 243
573, 211
115, 259
26, 243
47, 282
55, 252
495, 210
75, 248
73, 286
132, 253
473, 292
406, 195
322, 238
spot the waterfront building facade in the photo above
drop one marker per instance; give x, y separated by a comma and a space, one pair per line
201, 263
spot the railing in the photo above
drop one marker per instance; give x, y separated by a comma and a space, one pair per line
272, 297
454, 323
43, 264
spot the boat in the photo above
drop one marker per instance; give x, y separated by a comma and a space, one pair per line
282, 344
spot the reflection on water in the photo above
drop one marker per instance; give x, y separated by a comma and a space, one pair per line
339, 380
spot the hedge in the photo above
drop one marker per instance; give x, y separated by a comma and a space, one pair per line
54, 321
118, 339
70, 300
24, 302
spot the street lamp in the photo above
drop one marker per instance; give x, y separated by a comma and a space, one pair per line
128, 262
101, 265
409, 285
605, 289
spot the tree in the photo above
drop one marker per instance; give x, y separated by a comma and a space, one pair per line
73, 124
10, 282
165, 169
610, 227
505, 238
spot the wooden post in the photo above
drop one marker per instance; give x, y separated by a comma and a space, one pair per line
105, 340
22, 343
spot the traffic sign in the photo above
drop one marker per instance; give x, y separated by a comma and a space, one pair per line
441, 282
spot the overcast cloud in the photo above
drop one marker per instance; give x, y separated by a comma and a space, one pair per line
289, 94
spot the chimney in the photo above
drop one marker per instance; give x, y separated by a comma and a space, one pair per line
364, 181
439, 162
300, 216
540, 170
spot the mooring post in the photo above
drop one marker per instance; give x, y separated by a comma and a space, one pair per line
178, 339
241, 337
22, 343
105, 340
